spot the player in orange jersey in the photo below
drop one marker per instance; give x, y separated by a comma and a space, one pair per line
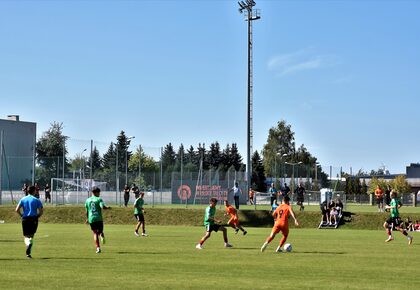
281, 215
234, 220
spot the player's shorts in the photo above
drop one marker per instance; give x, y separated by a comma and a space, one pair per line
139, 217
394, 222
284, 229
300, 200
97, 227
379, 200
29, 226
47, 195
211, 228
233, 220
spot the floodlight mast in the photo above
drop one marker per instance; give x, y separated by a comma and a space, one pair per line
250, 15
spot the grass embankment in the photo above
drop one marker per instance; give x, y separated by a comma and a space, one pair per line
194, 217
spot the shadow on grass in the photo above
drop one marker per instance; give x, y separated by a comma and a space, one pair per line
10, 241
321, 253
142, 253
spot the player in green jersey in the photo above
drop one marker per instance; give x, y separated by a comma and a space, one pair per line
94, 206
210, 224
139, 215
394, 221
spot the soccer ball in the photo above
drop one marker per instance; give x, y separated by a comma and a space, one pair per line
287, 247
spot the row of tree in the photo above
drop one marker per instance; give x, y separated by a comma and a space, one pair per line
280, 149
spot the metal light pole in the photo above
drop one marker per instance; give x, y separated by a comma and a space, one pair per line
293, 173
251, 15
83, 163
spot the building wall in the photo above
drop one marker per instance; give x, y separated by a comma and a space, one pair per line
18, 156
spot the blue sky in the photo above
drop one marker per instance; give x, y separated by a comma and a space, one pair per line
344, 74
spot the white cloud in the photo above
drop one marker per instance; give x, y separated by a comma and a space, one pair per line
301, 60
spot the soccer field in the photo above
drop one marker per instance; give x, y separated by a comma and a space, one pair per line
65, 258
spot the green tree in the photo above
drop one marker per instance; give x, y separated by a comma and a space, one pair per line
214, 155
400, 185
258, 176
280, 141
50, 149
95, 160
236, 157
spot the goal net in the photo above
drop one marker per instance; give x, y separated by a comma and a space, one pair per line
73, 191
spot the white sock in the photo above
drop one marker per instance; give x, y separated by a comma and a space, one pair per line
27, 241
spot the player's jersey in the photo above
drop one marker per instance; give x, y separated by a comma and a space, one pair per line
231, 210
283, 212
30, 205
210, 213
394, 211
138, 206
94, 207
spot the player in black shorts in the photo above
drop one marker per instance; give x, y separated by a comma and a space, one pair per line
32, 210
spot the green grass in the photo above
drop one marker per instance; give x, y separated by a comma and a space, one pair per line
64, 258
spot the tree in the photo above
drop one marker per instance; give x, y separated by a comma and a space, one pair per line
109, 157
235, 157
95, 160
400, 185
148, 167
258, 176
280, 141
214, 155
168, 158
50, 149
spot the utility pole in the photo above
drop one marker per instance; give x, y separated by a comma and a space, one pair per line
250, 15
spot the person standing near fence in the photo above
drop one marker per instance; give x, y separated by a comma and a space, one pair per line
251, 196
94, 206
32, 211
25, 189
237, 192
126, 195
300, 192
273, 193
47, 190
379, 196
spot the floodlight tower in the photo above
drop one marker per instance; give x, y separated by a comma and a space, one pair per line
250, 15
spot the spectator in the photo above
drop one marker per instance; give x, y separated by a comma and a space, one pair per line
379, 196
274, 206
135, 190
236, 194
339, 206
251, 196
126, 195
47, 191
25, 189
273, 191
37, 189
416, 226
285, 191
408, 225
333, 215
300, 191
325, 213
